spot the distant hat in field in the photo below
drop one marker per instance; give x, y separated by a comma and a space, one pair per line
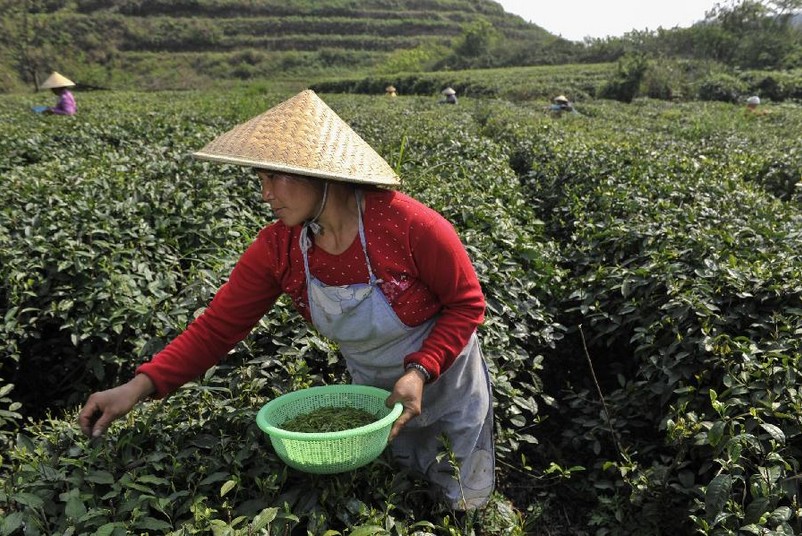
390, 89
449, 91
302, 136
754, 99
56, 80
560, 98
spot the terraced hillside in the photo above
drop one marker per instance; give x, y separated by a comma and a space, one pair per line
165, 43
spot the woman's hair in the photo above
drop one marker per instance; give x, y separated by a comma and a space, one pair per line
318, 180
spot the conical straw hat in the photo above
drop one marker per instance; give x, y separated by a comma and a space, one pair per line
449, 91
56, 80
301, 135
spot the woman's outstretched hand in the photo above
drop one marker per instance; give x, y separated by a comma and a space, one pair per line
409, 391
104, 406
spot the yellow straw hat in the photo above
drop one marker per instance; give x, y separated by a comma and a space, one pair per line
302, 136
56, 80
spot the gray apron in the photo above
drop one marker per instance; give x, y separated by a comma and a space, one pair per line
459, 404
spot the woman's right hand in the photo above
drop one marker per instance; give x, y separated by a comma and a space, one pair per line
409, 391
104, 406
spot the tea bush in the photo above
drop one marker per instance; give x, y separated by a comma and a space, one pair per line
163, 232
686, 287
642, 279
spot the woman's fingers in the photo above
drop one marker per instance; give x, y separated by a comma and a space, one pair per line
406, 416
103, 422
103, 407
98, 413
88, 416
409, 391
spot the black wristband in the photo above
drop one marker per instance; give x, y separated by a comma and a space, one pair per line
420, 368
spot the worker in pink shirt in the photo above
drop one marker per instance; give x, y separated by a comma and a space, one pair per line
66, 101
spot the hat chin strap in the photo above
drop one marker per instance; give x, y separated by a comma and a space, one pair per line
313, 224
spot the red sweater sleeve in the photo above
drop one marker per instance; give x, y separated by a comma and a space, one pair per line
446, 269
236, 308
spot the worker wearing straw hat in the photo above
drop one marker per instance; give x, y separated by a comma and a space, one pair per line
390, 91
752, 104
382, 275
561, 105
449, 96
59, 83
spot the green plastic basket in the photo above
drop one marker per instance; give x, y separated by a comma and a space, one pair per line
329, 452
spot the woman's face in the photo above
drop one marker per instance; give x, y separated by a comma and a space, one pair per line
292, 198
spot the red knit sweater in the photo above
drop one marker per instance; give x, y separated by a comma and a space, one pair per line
415, 252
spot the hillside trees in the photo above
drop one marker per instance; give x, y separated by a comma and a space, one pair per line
784, 7
746, 34
753, 34
26, 44
159, 43
473, 48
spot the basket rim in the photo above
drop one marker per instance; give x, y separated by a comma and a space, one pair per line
289, 398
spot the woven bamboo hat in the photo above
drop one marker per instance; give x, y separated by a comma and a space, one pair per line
560, 98
449, 91
303, 136
56, 80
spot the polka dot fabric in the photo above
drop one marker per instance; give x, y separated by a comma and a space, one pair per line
416, 253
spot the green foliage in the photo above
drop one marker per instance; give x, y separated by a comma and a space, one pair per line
104, 43
677, 297
64, 292
159, 44
625, 85
642, 273
742, 34
720, 87
515, 84
420, 58
751, 36
146, 235
476, 40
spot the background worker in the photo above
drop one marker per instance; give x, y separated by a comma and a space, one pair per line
58, 84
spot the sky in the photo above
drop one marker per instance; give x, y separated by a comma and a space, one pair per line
577, 19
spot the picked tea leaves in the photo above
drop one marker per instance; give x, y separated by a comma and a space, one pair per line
329, 419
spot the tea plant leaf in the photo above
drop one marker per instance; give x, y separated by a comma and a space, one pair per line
150, 523
75, 508
152, 479
11, 523
716, 433
100, 477
218, 476
28, 499
756, 509
108, 529
368, 530
774, 431
717, 495
781, 514
264, 518
228, 486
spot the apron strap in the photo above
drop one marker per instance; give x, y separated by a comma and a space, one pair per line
305, 243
